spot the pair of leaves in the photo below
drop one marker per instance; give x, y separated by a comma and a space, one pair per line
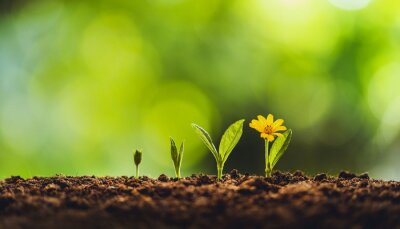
228, 142
176, 156
279, 147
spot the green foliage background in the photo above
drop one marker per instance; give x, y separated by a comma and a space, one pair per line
83, 83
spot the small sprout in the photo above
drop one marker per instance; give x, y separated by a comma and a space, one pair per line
269, 129
137, 158
177, 157
228, 142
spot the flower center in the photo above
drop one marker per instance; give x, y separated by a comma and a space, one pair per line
268, 129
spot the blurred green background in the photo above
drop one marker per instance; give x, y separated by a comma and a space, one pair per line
83, 84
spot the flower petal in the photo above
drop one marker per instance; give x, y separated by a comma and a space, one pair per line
268, 136
270, 119
280, 128
257, 125
278, 122
262, 120
263, 135
278, 134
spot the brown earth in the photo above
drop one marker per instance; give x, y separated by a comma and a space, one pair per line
286, 200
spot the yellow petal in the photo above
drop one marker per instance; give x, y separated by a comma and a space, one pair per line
278, 122
268, 136
257, 125
262, 120
264, 135
278, 134
270, 119
279, 128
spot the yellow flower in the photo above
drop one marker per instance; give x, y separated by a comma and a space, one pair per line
267, 127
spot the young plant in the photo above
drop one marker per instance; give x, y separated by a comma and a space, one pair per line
137, 158
176, 157
269, 130
228, 141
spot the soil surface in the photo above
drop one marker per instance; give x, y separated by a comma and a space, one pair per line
286, 200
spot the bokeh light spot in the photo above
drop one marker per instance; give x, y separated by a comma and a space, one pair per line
350, 4
111, 45
383, 89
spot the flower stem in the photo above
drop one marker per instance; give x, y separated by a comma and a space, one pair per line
268, 169
137, 171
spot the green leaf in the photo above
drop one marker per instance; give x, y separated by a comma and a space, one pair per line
174, 152
230, 139
205, 137
181, 149
279, 147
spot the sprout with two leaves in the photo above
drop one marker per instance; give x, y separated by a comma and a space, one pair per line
177, 157
228, 142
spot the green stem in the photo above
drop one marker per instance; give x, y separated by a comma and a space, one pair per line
178, 173
268, 169
137, 171
219, 168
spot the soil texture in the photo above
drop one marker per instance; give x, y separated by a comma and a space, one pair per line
285, 200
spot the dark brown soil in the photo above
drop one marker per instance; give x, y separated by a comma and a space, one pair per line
286, 200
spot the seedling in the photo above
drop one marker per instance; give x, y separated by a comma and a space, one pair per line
228, 142
177, 157
269, 130
137, 158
